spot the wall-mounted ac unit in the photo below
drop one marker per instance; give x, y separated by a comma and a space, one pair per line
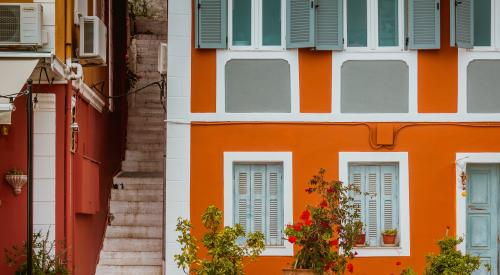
93, 40
21, 25
162, 58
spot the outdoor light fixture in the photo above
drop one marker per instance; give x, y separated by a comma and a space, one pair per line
4, 130
75, 127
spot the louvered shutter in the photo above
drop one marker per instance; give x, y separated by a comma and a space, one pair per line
242, 176
258, 198
211, 24
357, 178
300, 24
389, 197
423, 24
274, 205
372, 204
462, 24
329, 25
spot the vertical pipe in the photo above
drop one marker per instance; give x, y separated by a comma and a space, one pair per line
29, 240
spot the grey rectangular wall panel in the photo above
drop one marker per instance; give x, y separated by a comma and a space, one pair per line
483, 86
375, 86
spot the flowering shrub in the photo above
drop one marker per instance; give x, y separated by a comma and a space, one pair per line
326, 232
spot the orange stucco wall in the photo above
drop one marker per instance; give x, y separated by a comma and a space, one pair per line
431, 170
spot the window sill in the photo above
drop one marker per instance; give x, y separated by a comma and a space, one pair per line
285, 250
381, 251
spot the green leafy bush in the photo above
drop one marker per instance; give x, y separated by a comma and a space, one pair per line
450, 261
225, 255
46, 261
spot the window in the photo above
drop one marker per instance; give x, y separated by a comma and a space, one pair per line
482, 22
258, 195
258, 203
482, 86
257, 86
471, 24
256, 23
385, 15
384, 176
379, 207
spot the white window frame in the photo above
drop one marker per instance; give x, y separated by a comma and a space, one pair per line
372, 29
256, 28
347, 158
495, 31
462, 159
224, 56
230, 158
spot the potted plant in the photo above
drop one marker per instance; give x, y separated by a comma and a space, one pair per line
17, 179
361, 237
225, 252
327, 232
389, 237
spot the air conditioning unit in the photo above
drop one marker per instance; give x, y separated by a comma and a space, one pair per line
21, 25
162, 58
93, 40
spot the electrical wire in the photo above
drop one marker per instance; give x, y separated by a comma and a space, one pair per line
160, 84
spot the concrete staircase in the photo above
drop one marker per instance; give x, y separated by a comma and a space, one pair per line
134, 236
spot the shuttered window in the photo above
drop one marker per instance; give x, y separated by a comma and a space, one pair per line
470, 24
423, 24
258, 204
211, 24
378, 199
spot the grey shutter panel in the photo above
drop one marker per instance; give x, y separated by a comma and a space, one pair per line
329, 25
462, 23
390, 210
357, 178
423, 24
300, 24
372, 212
274, 205
211, 24
258, 198
242, 175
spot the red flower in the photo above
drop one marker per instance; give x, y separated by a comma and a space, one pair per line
323, 204
298, 226
330, 190
398, 263
350, 267
305, 215
334, 242
292, 239
308, 222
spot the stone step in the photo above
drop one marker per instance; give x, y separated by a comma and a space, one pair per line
137, 127
136, 232
151, 37
145, 147
144, 137
142, 166
130, 258
120, 207
126, 244
156, 111
145, 120
128, 270
135, 195
143, 155
122, 219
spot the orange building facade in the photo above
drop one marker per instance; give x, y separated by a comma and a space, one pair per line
410, 112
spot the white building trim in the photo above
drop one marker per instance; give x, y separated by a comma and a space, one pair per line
223, 56
404, 199
283, 157
95, 99
462, 159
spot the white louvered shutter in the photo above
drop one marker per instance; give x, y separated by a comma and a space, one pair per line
242, 176
423, 24
300, 23
258, 197
357, 178
211, 24
274, 205
329, 25
372, 204
462, 23
389, 197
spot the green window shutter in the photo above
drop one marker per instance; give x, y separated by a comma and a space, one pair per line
242, 176
258, 198
357, 178
423, 24
389, 196
372, 183
329, 25
274, 205
211, 24
300, 24
462, 23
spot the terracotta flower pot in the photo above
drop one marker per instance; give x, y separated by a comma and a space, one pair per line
17, 182
389, 239
360, 240
289, 271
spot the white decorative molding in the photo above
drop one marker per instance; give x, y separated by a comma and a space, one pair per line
404, 197
95, 99
283, 157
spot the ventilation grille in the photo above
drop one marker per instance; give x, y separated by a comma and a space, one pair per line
88, 36
10, 24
